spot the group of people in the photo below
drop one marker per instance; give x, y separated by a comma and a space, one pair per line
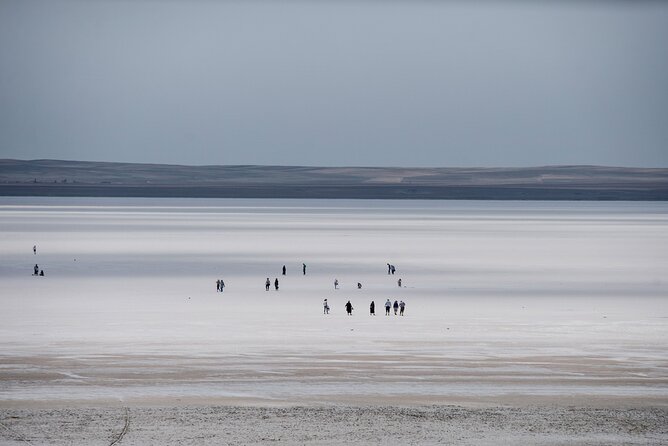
37, 271
391, 269
398, 306
267, 284
285, 270
220, 285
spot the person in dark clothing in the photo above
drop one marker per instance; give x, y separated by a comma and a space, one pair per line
267, 284
372, 308
276, 284
304, 268
34, 249
41, 273
349, 308
399, 283
359, 286
388, 305
393, 269
36, 269
284, 270
389, 268
218, 285
402, 305
222, 285
396, 307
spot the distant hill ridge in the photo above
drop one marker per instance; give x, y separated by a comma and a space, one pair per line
87, 178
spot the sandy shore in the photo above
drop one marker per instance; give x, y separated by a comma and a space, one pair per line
335, 425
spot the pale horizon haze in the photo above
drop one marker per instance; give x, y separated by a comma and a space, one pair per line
327, 83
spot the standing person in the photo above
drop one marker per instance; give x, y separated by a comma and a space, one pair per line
222, 285
399, 283
393, 269
267, 284
325, 307
36, 269
396, 307
276, 284
349, 308
359, 286
372, 309
402, 305
284, 270
389, 268
304, 268
336, 284
41, 273
34, 249
388, 304
217, 285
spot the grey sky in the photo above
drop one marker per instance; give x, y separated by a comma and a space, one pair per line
398, 83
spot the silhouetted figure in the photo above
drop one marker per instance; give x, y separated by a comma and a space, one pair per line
399, 283
284, 270
372, 308
222, 285
396, 307
393, 268
359, 286
267, 284
304, 268
217, 285
402, 305
336, 284
36, 269
389, 268
388, 305
41, 273
276, 284
349, 308
325, 307
34, 249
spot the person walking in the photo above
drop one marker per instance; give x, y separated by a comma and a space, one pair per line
336, 284
399, 283
393, 269
267, 284
222, 285
372, 309
388, 305
284, 270
304, 268
36, 269
396, 307
217, 285
276, 284
402, 305
325, 307
349, 308
389, 269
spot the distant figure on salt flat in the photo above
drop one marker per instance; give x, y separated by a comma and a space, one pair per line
372, 308
396, 307
393, 268
349, 308
41, 273
336, 284
399, 283
217, 285
388, 305
325, 307
402, 305
359, 286
36, 269
34, 249
222, 285
389, 269
276, 284
267, 284
304, 268
284, 270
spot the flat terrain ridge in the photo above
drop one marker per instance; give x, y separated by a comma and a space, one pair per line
102, 179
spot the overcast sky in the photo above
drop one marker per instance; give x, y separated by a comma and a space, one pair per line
374, 83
